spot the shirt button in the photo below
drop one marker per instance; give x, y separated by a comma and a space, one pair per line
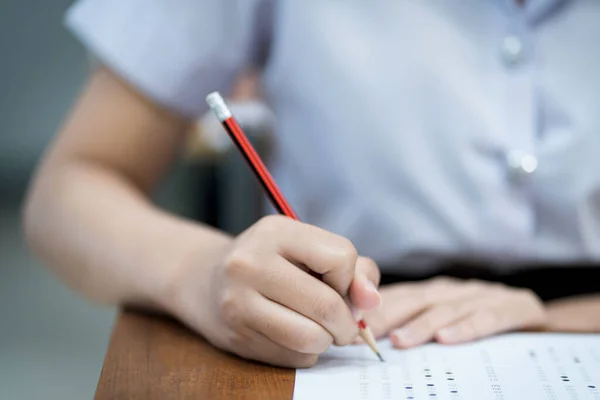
520, 164
512, 50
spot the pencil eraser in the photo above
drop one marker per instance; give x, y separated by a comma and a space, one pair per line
218, 106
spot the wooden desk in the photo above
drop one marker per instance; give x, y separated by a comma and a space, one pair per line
155, 358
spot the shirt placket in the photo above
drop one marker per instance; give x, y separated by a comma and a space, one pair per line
511, 215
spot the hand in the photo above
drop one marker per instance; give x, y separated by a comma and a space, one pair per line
452, 311
259, 302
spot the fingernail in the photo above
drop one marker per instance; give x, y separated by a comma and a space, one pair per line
357, 314
403, 336
370, 286
447, 334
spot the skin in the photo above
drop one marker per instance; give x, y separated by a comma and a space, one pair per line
454, 311
89, 216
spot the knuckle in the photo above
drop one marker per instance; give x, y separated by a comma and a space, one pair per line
240, 263
327, 308
271, 224
230, 308
348, 253
239, 342
312, 341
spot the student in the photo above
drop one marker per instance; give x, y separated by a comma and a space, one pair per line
437, 138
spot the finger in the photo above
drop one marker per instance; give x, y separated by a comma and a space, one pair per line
257, 346
423, 327
400, 304
404, 302
513, 309
363, 291
476, 325
287, 328
368, 268
358, 340
394, 311
327, 254
283, 283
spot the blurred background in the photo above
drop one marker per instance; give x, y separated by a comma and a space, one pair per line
52, 342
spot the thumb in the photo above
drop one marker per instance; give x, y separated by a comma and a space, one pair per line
363, 291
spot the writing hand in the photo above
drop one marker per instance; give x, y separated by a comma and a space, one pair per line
259, 302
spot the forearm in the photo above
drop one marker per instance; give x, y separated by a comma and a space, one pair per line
575, 314
105, 239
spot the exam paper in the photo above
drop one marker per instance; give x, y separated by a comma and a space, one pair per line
523, 366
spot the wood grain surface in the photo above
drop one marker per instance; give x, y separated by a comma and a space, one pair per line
151, 357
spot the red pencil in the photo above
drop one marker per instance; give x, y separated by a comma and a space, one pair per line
222, 112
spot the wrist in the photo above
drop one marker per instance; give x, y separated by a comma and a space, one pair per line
577, 314
185, 287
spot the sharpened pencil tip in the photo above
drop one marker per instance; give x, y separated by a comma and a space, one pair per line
380, 358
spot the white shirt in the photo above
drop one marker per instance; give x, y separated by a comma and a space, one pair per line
439, 128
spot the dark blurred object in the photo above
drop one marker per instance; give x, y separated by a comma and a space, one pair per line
228, 195
548, 282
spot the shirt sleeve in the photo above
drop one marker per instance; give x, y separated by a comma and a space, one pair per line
173, 52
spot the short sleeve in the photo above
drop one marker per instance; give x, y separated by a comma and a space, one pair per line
174, 52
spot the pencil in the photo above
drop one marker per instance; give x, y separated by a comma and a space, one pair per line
223, 113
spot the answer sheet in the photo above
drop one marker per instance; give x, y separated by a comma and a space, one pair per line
521, 366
